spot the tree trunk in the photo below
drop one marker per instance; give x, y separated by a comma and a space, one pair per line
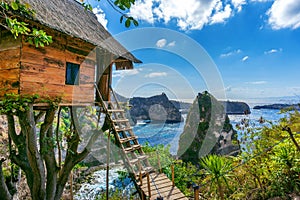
48, 153
28, 127
4, 193
36, 156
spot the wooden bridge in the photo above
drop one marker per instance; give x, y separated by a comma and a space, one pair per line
149, 183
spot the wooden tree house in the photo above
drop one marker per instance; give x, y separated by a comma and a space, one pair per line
82, 53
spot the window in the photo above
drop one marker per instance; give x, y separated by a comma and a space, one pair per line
72, 74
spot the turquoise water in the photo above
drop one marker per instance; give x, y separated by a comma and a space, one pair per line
168, 134
155, 134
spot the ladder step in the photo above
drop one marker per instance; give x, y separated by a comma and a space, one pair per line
134, 161
123, 129
132, 148
115, 110
128, 139
143, 157
144, 171
120, 120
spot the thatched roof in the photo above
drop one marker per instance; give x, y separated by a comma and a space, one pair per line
69, 16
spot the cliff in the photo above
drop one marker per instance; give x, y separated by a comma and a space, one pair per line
278, 106
156, 108
232, 107
207, 131
236, 107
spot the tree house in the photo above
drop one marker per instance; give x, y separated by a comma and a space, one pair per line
82, 53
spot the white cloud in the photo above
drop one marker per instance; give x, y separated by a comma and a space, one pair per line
238, 4
231, 53
273, 51
100, 16
284, 14
188, 14
257, 82
228, 89
142, 10
172, 44
123, 73
245, 58
156, 74
221, 15
161, 43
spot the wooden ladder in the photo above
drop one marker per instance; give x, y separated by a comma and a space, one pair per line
134, 158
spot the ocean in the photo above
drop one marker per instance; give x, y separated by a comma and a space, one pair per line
168, 134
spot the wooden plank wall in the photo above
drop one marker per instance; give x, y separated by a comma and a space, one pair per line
43, 69
10, 49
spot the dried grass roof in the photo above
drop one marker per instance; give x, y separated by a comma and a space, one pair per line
69, 16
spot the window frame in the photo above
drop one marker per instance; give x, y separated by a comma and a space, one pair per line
72, 75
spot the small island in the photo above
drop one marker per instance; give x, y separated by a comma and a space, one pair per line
278, 106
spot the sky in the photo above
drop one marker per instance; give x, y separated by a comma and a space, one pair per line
236, 49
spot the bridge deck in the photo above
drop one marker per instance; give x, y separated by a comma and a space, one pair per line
163, 187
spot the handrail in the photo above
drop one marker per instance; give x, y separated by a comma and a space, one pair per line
101, 99
115, 97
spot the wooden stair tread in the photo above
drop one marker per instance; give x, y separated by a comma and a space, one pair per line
115, 110
163, 187
122, 140
120, 120
132, 148
123, 129
145, 171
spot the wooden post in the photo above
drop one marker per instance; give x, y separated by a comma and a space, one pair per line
71, 185
196, 192
140, 173
107, 164
288, 129
149, 186
158, 161
173, 175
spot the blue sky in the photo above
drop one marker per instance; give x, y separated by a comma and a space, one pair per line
251, 46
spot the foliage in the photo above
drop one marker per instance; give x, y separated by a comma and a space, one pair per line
13, 103
12, 13
217, 170
116, 194
160, 152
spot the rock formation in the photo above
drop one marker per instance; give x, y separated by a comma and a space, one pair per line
207, 131
278, 106
236, 108
156, 108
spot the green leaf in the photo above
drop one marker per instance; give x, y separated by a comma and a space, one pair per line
14, 5
127, 23
135, 22
121, 19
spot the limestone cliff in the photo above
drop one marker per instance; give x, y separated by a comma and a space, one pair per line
207, 130
156, 108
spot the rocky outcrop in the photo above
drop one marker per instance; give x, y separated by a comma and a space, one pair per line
232, 107
236, 107
157, 109
207, 131
278, 106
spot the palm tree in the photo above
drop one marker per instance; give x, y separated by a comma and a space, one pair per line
217, 168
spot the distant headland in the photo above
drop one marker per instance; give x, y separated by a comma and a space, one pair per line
278, 106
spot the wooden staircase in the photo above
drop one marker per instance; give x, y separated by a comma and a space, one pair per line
134, 158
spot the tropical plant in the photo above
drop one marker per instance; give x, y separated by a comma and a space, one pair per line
217, 169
